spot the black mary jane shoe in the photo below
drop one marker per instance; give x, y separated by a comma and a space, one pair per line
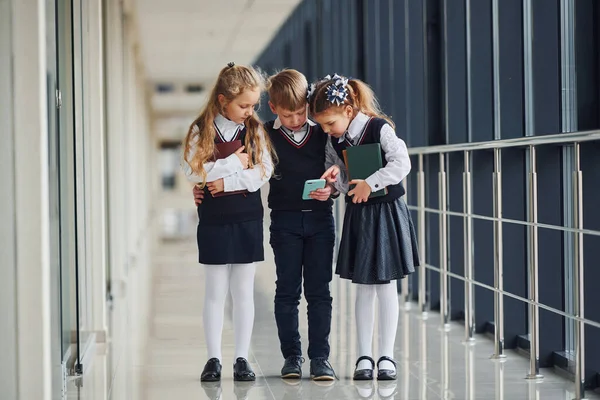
364, 374
242, 372
212, 371
386, 374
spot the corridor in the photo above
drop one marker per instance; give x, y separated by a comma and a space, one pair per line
432, 364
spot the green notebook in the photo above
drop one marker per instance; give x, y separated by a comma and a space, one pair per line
362, 161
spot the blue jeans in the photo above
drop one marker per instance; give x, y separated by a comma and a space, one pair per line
303, 246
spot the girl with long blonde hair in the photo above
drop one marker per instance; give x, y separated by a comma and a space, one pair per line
230, 227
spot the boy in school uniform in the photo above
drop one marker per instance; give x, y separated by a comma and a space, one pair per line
302, 231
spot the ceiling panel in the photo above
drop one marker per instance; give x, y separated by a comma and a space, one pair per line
189, 41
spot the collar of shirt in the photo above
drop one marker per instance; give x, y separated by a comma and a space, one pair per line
227, 128
356, 127
277, 124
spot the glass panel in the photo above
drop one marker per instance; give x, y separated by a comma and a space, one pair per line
54, 200
82, 267
66, 192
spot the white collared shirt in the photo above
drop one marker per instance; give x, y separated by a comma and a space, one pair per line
230, 169
297, 136
396, 154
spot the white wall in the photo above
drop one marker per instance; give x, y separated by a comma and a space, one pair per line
31, 200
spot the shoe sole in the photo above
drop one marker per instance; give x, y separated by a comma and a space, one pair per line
242, 379
362, 378
322, 378
210, 379
293, 375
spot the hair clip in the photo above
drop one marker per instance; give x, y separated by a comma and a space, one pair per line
231, 64
310, 91
336, 94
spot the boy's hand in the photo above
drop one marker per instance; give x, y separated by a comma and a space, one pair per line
361, 191
216, 186
331, 174
198, 195
321, 194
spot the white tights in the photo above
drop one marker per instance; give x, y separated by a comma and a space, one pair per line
219, 280
387, 295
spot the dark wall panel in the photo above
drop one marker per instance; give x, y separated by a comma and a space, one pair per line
514, 192
511, 69
546, 66
481, 95
483, 236
590, 167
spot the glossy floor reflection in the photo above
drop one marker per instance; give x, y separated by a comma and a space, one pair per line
432, 363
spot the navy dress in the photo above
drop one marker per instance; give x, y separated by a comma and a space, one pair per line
378, 241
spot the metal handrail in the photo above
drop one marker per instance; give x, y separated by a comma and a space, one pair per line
572, 142
508, 221
515, 296
561, 138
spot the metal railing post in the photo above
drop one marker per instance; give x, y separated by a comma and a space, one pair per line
498, 260
579, 292
534, 312
468, 246
443, 221
421, 225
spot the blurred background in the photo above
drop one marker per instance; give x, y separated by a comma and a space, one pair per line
498, 102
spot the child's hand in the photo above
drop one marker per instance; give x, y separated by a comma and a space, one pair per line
331, 174
321, 194
198, 195
361, 191
243, 157
216, 186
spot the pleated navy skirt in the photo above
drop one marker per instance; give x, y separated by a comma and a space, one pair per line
236, 243
378, 243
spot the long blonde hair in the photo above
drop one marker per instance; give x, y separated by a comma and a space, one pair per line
232, 81
360, 97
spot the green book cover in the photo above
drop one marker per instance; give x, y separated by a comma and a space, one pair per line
362, 161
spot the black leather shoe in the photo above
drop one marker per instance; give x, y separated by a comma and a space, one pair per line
364, 374
292, 368
386, 374
321, 370
242, 371
212, 371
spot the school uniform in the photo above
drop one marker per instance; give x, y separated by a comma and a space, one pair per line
230, 228
302, 237
378, 242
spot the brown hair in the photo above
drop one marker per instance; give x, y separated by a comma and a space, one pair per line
199, 143
360, 98
287, 89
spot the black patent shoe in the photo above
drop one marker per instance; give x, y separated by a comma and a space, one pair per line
292, 368
212, 371
364, 374
386, 374
212, 390
242, 371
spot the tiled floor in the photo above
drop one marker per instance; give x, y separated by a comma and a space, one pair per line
433, 364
